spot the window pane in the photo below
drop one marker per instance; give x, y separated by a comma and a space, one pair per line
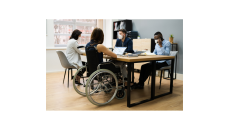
89, 29
84, 40
63, 29
59, 39
81, 28
85, 29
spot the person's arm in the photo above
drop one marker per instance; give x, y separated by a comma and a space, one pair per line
75, 45
165, 50
106, 51
129, 46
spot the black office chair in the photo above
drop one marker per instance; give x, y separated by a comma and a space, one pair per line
102, 83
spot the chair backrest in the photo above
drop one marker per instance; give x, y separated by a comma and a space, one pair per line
64, 62
92, 59
173, 53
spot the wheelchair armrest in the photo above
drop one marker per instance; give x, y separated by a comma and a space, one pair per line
80, 46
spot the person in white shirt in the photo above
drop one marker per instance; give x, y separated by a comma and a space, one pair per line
73, 53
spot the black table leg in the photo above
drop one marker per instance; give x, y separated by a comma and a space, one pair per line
128, 85
175, 67
171, 76
153, 79
152, 85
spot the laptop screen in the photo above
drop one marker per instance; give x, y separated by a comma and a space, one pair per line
119, 50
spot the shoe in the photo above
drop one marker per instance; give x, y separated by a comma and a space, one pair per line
138, 86
76, 82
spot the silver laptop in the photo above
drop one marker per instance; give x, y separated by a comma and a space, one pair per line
119, 50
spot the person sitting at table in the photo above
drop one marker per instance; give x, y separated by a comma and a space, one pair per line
163, 47
73, 53
124, 41
97, 39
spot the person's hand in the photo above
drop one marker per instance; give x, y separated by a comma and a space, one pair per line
160, 42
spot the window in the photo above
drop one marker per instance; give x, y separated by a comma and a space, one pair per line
63, 29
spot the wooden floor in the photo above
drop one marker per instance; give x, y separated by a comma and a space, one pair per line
60, 97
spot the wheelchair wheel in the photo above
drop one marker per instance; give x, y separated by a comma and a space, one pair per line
80, 89
120, 94
101, 87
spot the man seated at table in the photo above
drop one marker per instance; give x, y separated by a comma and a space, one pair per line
124, 41
163, 47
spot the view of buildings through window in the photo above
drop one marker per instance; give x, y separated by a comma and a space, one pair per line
63, 29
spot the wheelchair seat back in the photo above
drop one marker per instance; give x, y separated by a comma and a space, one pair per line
92, 59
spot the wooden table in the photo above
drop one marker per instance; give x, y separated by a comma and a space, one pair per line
131, 60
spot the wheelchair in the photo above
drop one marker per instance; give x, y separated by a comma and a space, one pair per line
100, 85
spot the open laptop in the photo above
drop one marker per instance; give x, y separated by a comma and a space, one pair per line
119, 50
138, 52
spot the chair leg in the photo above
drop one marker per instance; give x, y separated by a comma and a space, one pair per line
68, 78
64, 76
169, 73
148, 80
160, 78
71, 74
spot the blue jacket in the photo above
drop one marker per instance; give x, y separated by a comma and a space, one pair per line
127, 43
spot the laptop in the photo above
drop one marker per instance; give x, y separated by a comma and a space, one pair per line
139, 52
119, 50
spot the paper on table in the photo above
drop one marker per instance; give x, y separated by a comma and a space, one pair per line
150, 54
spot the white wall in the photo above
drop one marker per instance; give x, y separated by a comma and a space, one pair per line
52, 61
108, 32
50, 33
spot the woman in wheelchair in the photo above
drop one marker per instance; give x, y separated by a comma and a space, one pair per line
97, 39
102, 84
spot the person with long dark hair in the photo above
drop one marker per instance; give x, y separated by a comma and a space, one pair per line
73, 53
97, 39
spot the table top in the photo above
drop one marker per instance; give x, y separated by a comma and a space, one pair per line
139, 58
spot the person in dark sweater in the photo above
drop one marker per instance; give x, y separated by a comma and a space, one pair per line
124, 41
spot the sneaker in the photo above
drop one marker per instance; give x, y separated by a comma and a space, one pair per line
76, 82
